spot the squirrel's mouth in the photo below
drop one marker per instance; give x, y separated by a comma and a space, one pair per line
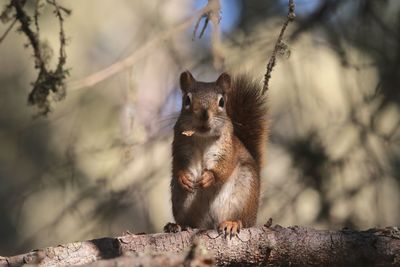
203, 129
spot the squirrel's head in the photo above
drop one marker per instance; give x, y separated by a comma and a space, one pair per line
204, 105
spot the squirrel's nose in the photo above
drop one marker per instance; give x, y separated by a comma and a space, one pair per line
204, 115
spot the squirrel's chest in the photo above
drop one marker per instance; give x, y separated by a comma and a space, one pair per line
204, 157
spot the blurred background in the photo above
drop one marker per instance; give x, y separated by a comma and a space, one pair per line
99, 163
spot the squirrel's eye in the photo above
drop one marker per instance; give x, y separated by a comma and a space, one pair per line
221, 102
188, 100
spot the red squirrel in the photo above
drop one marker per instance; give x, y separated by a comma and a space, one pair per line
218, 149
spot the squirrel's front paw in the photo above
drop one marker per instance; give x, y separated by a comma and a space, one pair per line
207, 179
185, 181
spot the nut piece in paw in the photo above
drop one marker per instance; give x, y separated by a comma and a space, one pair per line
172, 228
230, 228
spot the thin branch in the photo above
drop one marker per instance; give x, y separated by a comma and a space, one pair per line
212, 9
8, 30
212, 13
62, 55
129, 61
65, 10
25, 20
36, 17
278, 46
204, 27
196, 26
47, 80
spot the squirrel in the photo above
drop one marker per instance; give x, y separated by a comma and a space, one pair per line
218, 150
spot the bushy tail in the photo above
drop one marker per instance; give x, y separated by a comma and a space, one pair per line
248, 111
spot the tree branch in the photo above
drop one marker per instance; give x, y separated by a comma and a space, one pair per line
212, 12
272, 246
130, 60
7, 30
48, 80
278, 46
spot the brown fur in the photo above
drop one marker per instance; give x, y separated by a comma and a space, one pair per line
247, 109
228, 156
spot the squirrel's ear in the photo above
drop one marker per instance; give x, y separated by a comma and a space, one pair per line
186, 80
224, 81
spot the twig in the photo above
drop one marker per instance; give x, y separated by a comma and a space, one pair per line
196, 26
212, 13
48, 80
25, 20
212, 9
62, 55
65, 10
204, 27
36, 17
272, 61
127, 62
8, 30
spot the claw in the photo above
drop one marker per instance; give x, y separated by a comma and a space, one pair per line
230, 228
172, 228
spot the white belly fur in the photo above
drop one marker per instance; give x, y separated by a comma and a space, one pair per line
229, 201
227, 204
204, 158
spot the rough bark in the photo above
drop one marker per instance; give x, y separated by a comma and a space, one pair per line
159, 260
267, 246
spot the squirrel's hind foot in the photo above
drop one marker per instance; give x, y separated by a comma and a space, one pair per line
174, 228
230, 228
